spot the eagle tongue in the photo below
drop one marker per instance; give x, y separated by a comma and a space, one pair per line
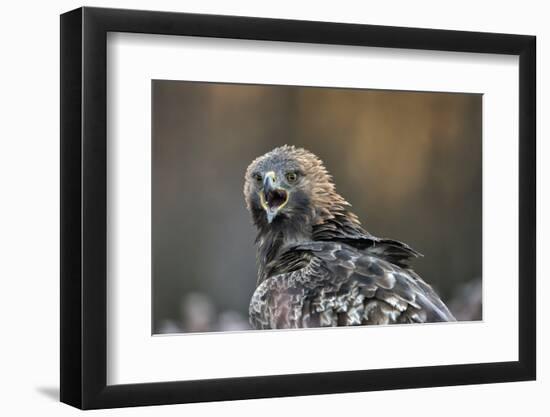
275, 198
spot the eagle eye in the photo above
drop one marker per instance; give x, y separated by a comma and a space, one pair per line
291, 177
257, 177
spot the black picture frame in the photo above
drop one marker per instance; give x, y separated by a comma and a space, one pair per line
84, 207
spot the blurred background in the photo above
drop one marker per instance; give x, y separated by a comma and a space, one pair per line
410, 163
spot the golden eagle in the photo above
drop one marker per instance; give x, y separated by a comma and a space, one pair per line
317, 265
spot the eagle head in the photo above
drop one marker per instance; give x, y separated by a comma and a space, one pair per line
290, 186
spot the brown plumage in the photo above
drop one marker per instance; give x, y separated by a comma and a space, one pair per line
317, 266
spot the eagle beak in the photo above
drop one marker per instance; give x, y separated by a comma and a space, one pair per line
272, 198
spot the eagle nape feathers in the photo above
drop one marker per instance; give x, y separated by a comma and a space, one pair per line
317, 266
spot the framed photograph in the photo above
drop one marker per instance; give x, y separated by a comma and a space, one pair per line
257, 207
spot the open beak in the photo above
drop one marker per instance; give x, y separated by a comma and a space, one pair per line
272, 198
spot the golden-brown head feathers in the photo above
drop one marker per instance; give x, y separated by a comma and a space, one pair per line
311, 197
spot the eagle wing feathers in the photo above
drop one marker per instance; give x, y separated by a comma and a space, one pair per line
337, 284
